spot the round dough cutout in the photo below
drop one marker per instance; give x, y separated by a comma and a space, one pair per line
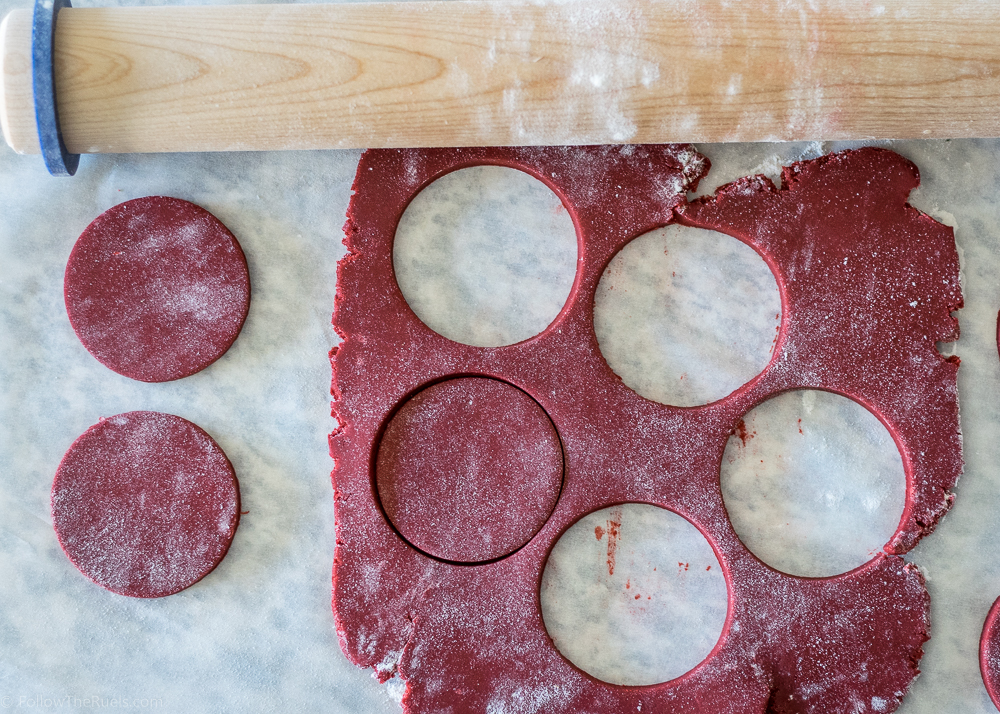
989, 654
145, 504
157, 288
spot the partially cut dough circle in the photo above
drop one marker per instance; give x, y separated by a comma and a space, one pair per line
469, 469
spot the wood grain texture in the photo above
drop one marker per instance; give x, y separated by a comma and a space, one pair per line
506, 73
17, 109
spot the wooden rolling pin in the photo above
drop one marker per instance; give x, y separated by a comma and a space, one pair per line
258, 77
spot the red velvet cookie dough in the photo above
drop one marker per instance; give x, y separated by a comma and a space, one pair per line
145, 504
868, 285
989, 654
157, 288
469, 469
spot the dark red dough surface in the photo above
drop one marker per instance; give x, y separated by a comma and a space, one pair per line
157, 288
867, 285
469, 469
989, 654
145, 504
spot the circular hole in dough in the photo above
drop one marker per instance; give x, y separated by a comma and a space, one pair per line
686, 316
469, 469
634, 595
145, 504
157, 288
486, 256
813, 483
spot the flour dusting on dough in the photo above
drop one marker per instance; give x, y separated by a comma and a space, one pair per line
145, 504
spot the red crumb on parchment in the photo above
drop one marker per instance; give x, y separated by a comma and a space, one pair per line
614, 530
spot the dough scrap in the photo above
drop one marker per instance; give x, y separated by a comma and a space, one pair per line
868, 285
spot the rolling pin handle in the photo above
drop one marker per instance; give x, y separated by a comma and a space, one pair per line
43, 30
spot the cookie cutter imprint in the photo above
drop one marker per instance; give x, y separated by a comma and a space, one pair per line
867, 286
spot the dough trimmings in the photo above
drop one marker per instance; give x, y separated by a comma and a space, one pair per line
868, 285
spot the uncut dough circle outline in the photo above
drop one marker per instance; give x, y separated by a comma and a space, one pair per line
157, 288
145, 504
429, 463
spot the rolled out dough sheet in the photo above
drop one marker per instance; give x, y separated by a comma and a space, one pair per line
850, 256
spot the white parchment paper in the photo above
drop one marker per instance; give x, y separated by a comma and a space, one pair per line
257, 634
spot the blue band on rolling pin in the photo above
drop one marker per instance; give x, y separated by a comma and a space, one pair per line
43, 30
